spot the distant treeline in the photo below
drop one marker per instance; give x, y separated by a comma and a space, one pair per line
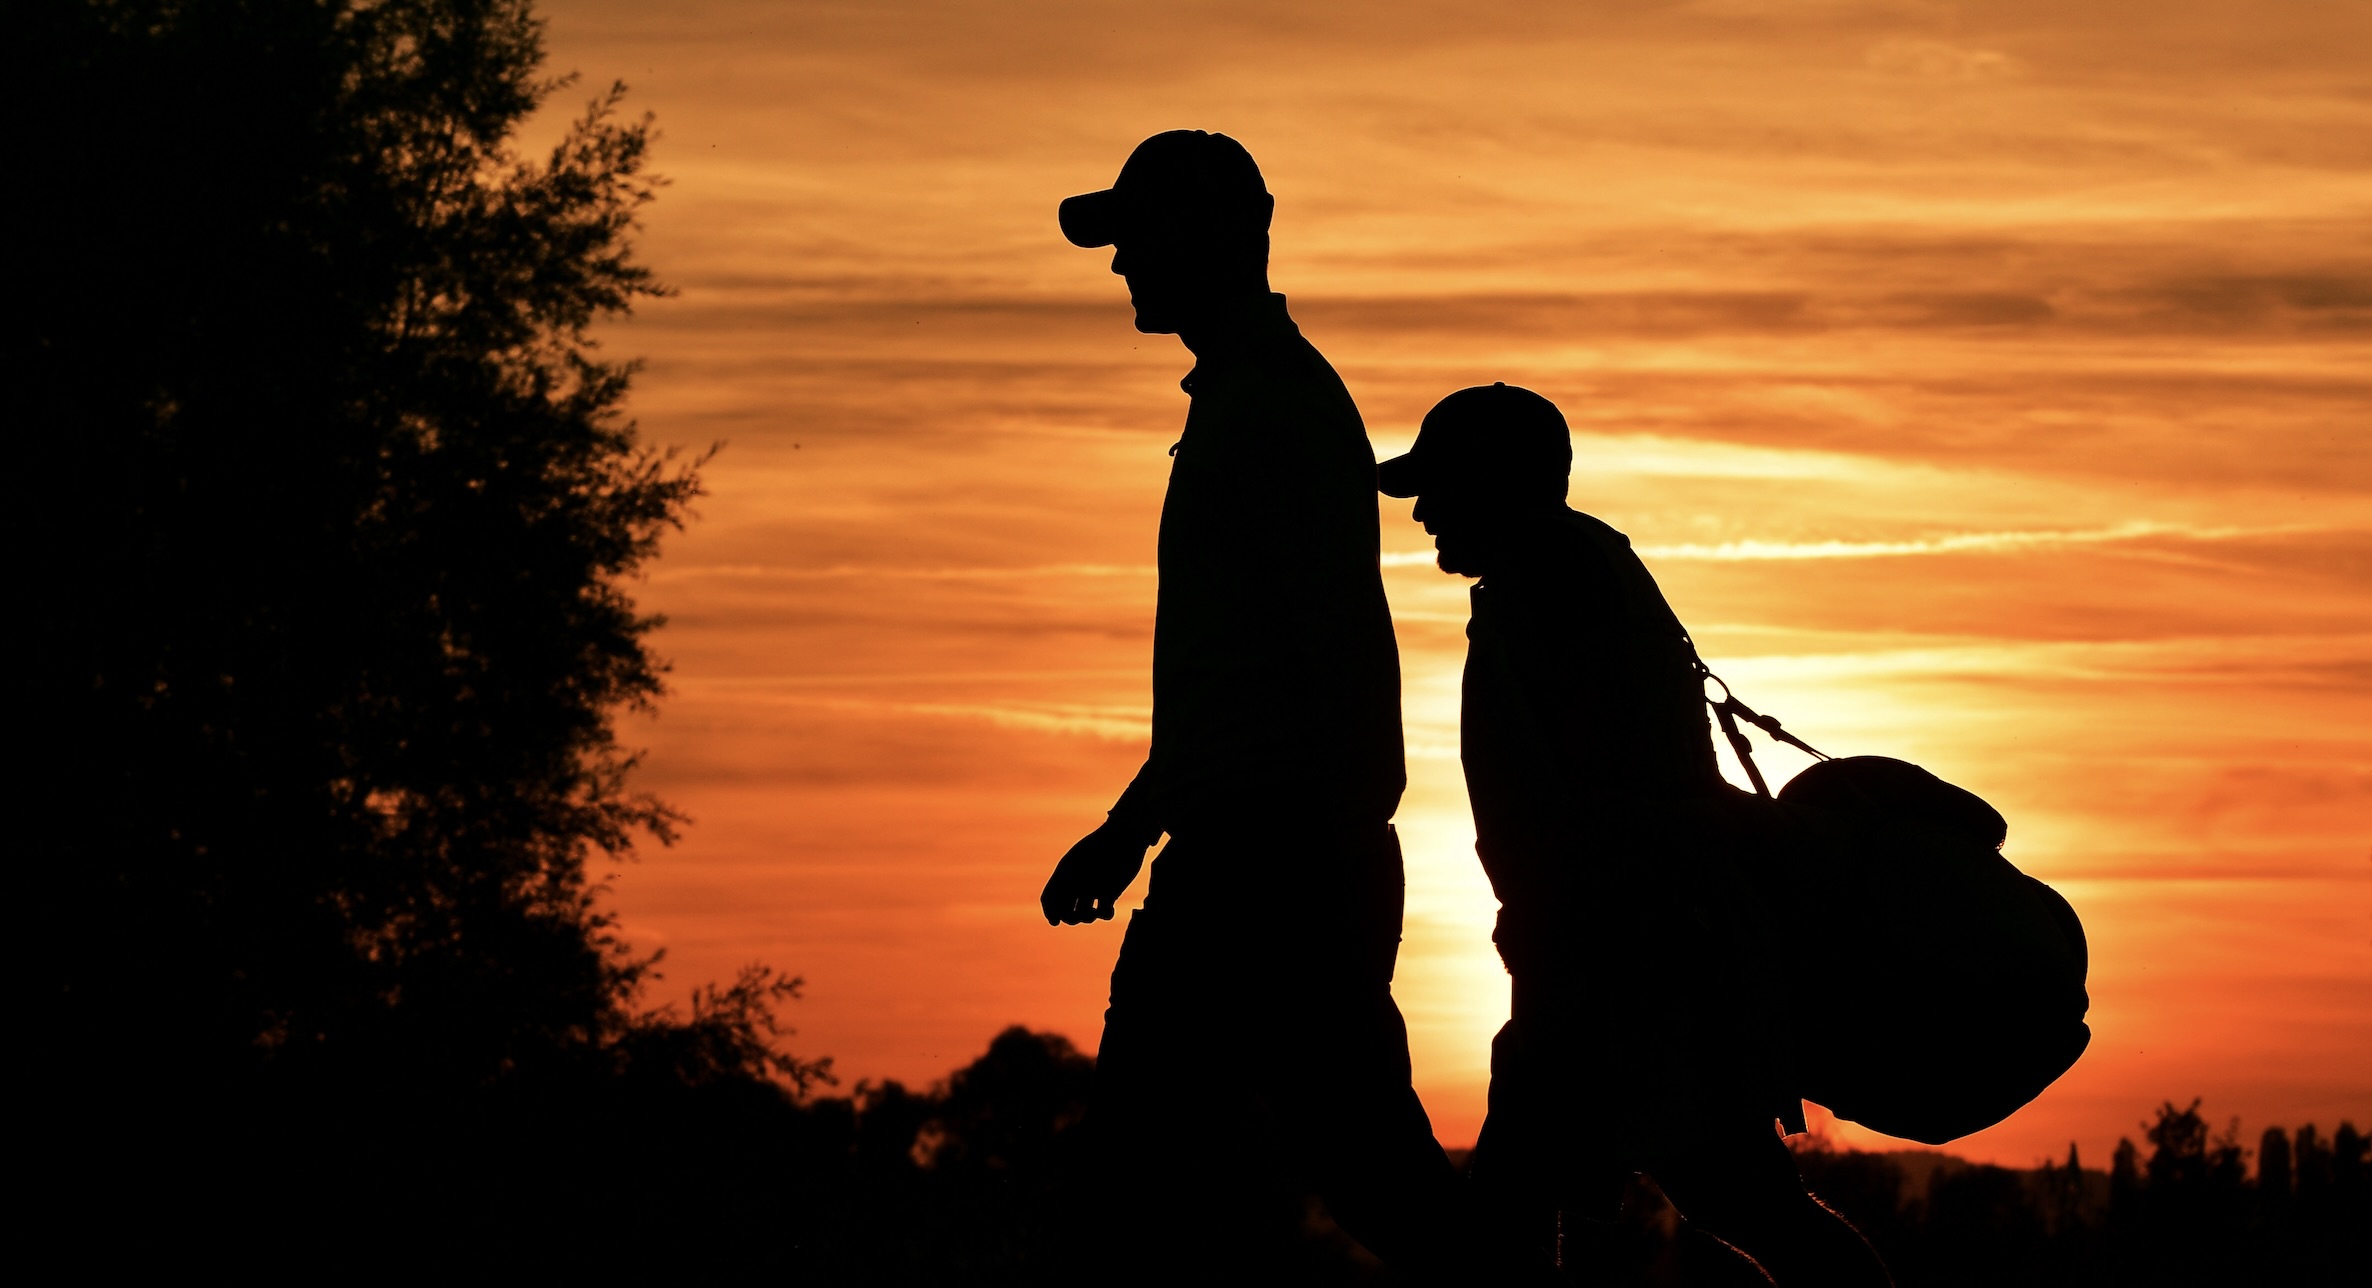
2187, 1209
973, 1181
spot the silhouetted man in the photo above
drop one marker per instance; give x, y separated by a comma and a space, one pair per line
1642, 1036
1252, 1051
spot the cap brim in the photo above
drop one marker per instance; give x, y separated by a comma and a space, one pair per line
1091, 219
1400, 476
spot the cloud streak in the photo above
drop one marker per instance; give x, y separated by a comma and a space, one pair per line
1753, 550
861, 572
1955, 543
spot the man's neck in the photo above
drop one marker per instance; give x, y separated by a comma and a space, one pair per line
1223, 319
1522, 550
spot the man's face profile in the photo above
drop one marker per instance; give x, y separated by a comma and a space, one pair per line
1174, 275
1489, 462
1155, 269
1467, 528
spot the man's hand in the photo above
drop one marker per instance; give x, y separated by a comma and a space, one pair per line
1090, 878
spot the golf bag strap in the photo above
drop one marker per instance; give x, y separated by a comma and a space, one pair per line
1728, 711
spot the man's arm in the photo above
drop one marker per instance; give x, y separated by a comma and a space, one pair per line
1088, 882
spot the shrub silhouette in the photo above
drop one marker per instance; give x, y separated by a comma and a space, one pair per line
326, 626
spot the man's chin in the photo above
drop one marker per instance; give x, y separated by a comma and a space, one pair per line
1155, 324
1457, 563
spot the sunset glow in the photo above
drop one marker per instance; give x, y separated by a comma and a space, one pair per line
1987, 385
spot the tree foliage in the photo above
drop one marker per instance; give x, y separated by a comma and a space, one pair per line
333, 511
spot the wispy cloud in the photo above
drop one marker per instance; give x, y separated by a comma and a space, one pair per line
1656, 456
1117, 724
1726, 552
1114, 723
841, 572
1939, 60
2207, 658
1952, 543
1955, 543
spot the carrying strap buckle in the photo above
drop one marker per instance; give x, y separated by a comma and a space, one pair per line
1728, 711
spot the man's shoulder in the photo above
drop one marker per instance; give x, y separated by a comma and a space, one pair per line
1593, 530
1282, 402
1284, 373
1576, 563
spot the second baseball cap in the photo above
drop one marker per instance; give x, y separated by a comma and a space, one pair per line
1498, 438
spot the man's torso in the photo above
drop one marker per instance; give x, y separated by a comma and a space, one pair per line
1583, 721
1276, 683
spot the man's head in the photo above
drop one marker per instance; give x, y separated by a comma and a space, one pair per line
1188, 221
1486, 460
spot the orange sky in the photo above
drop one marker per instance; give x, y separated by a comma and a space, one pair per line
1985, 383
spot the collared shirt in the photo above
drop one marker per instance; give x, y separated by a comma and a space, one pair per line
1276, 680
1582, 715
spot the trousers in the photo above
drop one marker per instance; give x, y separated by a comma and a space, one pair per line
1253, 1056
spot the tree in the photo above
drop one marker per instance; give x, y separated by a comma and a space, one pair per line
2273, 1164
2124, 1176
1015, 1109
332, 512
2179, 1155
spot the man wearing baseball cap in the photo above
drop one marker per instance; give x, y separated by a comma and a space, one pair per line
1642, 1036
1252, 1052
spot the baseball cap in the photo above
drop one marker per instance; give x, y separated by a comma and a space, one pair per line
1177, 179
1496, 437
